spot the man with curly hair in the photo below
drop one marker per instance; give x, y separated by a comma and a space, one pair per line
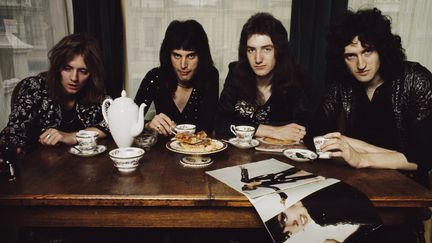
379, 103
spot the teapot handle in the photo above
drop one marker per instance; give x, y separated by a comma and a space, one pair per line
105, 105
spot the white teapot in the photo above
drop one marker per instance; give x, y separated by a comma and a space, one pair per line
124, 119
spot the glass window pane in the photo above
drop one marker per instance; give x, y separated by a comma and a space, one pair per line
412, 20
28, 29
147, 20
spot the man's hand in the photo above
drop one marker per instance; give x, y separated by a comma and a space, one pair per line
162, 124
53, 136
339, 147
291, 131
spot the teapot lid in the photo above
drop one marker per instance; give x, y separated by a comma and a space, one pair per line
124, 98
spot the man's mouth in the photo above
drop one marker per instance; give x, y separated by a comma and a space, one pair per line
73, 86
182, 73
363, 73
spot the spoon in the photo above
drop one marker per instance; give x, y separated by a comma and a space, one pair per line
302, 156
76, 147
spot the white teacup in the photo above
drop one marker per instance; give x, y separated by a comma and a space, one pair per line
87, 141
318, 142
184, 128
244, 134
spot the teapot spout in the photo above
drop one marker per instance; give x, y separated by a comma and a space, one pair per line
138, 127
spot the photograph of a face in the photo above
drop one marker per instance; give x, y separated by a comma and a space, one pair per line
298, 206
335, 213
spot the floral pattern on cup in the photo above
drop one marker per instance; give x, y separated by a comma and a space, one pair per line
318, 142
184, 128
87, 141
126, 159
244, 134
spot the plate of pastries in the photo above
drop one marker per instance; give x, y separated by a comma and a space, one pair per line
195, 143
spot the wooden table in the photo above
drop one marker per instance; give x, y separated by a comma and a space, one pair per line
56, 188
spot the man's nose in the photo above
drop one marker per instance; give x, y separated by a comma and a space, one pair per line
74, 75
258, 57
184, 63
361, 63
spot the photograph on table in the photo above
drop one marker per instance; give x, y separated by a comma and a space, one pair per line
263, 177
327, 211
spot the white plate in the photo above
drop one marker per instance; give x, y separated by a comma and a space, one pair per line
262, 140
234, 142
176, 147
100, 149
300, 155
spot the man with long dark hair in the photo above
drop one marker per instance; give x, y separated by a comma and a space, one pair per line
52, 106
264, 88
385, 102
185, 87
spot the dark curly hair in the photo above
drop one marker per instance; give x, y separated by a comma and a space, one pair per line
187, 35
287, 74
374, 31
66, 50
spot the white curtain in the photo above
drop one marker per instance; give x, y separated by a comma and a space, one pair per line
147, 20
28, 29
412, 20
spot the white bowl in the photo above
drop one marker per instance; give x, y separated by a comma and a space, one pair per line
126, 159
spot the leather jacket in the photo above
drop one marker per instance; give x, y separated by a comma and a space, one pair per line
411, 98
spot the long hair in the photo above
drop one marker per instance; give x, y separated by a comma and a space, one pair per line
62, 53
188, 35
287, 73
374, 31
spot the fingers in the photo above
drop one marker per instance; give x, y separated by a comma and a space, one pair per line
294, 131
333, 135
50, 137
297, 126
162, 124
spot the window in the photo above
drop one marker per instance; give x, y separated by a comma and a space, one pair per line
412, 20
147, 20
28, 29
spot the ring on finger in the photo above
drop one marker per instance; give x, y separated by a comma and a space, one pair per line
48, 135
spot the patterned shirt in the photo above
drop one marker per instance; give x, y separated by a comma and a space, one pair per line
34, 112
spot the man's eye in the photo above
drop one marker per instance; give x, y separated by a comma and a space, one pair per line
176, 56
368, 52
67, 68
84, 71
191, 56
250, 50
268, 49
284, 218
350, 57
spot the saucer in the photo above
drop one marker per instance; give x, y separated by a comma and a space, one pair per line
300, 155
234, 142
196, 161
99, 149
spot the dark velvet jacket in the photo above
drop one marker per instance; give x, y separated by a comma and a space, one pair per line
278, 110
412, 107
200, 108
34, 112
